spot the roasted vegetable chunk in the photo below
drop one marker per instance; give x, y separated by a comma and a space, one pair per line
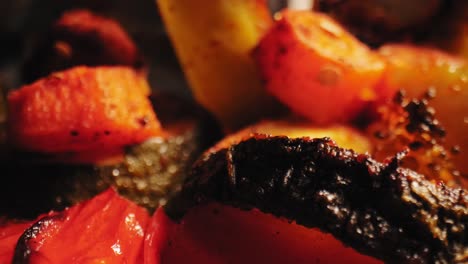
82, 109
81, 37
421, 71
411, 124
213, 40
311, 64
382, 210
106, 229
221, 234
157, 234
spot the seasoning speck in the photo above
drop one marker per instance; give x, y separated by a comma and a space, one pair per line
143, 121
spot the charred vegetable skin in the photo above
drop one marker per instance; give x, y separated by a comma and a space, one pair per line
318, 184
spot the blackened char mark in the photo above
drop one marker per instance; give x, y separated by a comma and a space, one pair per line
23, 249
382, 210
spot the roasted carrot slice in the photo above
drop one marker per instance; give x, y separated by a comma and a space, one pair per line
82, 109
105, 229
316, 68
221, 234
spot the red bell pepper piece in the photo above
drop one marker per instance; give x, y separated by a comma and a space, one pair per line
221, 234
9, 234
105, 229
157, 235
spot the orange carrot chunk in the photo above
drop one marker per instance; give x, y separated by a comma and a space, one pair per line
311, 64
82, 109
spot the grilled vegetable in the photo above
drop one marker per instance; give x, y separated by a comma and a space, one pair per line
81, 37
420, 71
410, 123
105, 229
156, 238
220, 234
311, 64
82, 109
213, 40
382, 210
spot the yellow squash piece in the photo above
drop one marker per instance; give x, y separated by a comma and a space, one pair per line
213, 40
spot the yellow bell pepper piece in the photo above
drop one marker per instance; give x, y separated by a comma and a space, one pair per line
213, 40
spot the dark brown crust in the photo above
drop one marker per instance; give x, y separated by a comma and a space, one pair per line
382, 210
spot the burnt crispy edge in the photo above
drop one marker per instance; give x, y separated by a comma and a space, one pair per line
381, 210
